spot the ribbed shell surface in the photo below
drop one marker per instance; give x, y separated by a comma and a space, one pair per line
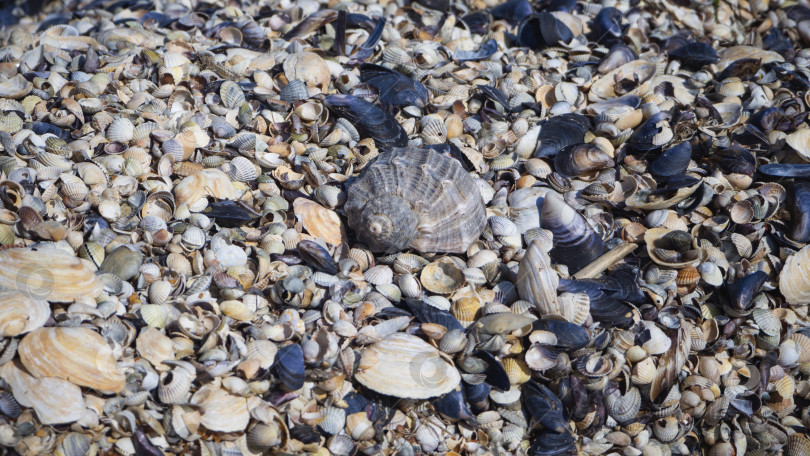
441, 196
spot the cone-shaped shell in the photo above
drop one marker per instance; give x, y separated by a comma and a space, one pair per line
54, 400
415, 198
77, 355
49, 274
20, 313
405, 366
794, 280
208, 182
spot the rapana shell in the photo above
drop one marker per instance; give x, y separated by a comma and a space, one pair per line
403, 365
78, 355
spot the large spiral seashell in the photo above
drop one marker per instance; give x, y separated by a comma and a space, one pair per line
415, 198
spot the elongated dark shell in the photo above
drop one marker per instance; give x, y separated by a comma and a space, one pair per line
582, 160
575, 242
646, 137
369, 120
395, 88
695, 55
799, 207
415, 198
542, 30
785, 170
289, 366
742, 291
570, 336
673, 161
561, 131
513, 11
607, 26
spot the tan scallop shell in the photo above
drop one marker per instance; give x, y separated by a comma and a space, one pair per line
47, 273
405, 366
308, 67
221, 411
54, 400
20, 313
78, 355
208, 182
319, 221
794, 280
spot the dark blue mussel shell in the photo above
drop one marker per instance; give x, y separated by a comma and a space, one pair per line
289, 366
695, 55
542, 30
673, 161
369, 120
395, 88
560, 131
606, 27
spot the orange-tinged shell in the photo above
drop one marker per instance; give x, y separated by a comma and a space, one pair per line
20, 313
208, 182
221, 411
78, 355
794, 280
54, 400
319, 221
403, 365
50, 274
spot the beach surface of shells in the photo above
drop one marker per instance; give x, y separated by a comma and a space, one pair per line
438, 227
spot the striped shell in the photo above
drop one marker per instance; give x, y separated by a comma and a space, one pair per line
403, 198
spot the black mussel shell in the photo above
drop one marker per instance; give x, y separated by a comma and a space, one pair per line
583, 159
553, 443
478, 22
744, 69
495, 373
454, 406
646, 138
675, 41
485, 51
738, 160
305, 434
369, 120
695, 55
799, 206
228, 214
143, 447
426, 313
42, 128
543, 408
512, 11
793, 80
798, 170
289, 367
673, 161
618, 55
606, 27
453, 151
317, 256
395, 88
367, 48
477, 393
560, 131
570, 336
155, 19
742, 291
494, 94
768, 120
542, 30
438, 5
356, 20
575, 243
776, 40
565, 6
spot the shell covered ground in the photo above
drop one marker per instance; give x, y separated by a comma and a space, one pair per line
395, 228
